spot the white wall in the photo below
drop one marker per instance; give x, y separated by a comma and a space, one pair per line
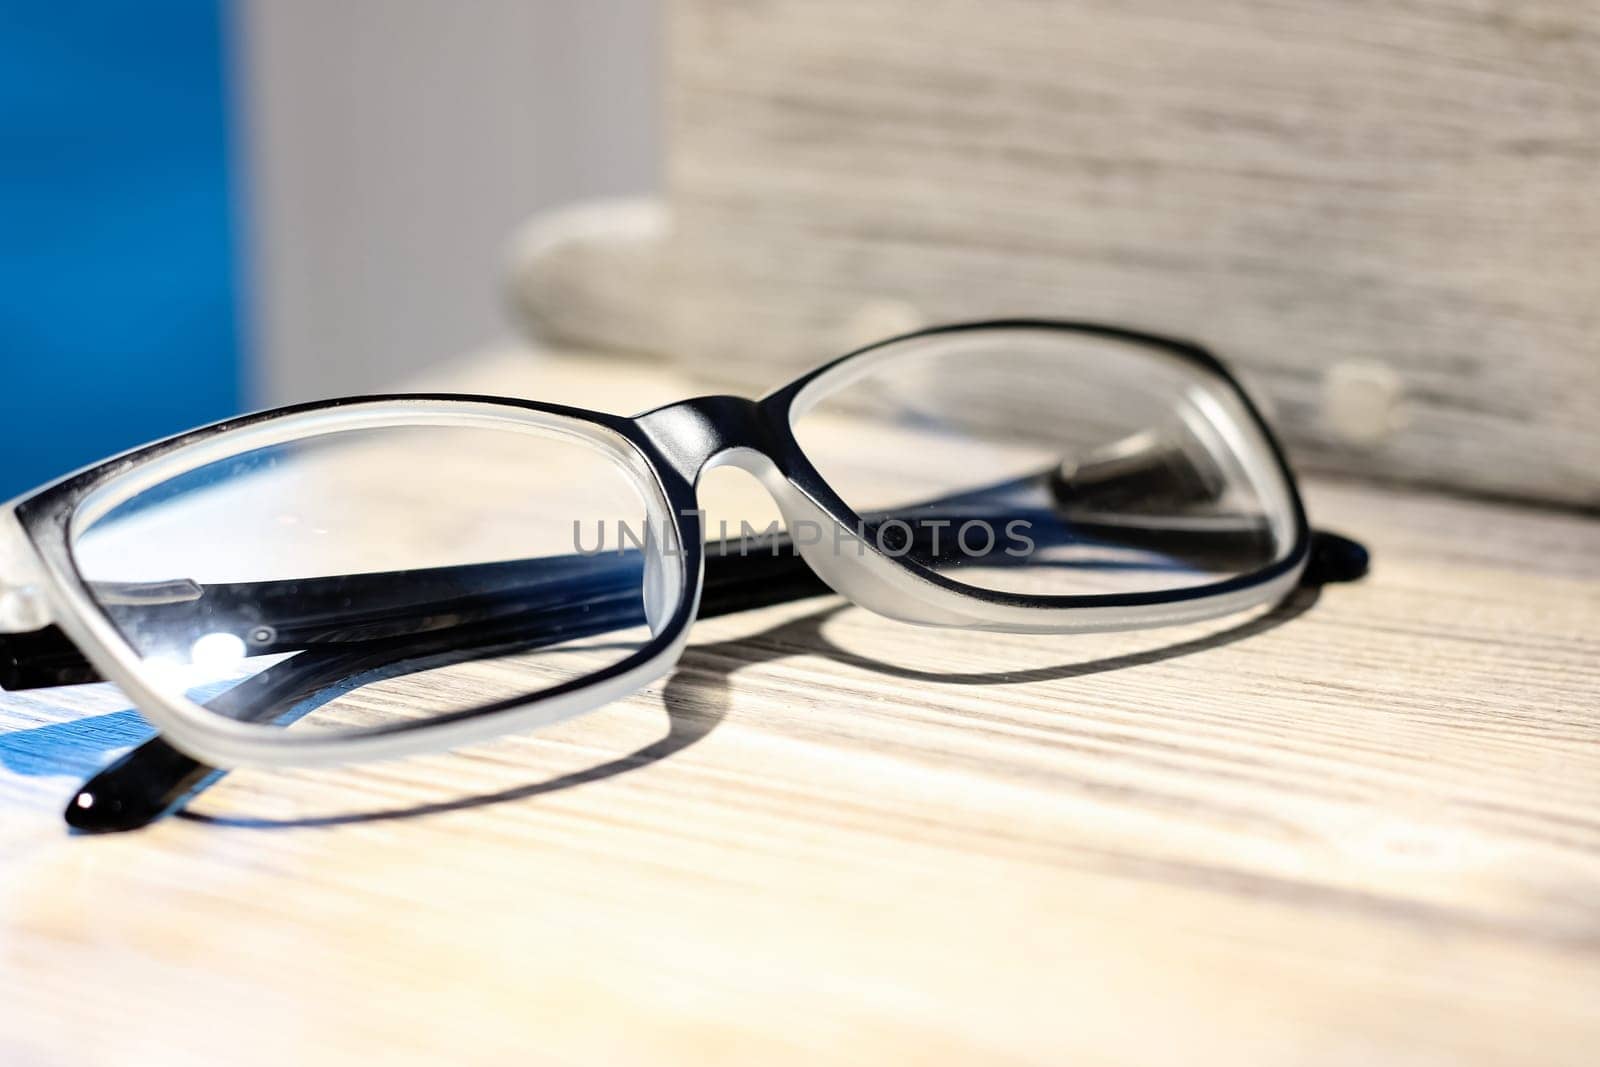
390, 148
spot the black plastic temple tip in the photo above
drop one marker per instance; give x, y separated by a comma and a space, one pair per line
136, 790
1334, 558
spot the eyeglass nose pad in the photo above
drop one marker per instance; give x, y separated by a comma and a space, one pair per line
657, 594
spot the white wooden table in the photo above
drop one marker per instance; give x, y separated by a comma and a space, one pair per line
1364, 828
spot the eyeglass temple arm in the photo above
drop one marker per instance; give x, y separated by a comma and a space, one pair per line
281, 616
150, 780
291, 615
154, 777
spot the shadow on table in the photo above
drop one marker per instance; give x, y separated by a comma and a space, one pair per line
77, 746
696, 699
71, 747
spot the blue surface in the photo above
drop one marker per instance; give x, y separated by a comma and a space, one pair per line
118, 319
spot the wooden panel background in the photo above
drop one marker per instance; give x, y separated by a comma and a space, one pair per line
1391, 207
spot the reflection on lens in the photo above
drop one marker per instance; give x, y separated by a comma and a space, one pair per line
377, 573
1041, 461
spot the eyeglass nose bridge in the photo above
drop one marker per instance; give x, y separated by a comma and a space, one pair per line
698, 434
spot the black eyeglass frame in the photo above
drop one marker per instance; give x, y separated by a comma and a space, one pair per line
672, 447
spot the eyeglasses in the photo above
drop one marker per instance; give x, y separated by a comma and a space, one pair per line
395, 575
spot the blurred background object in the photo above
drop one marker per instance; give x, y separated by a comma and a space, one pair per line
118, 319
396, 144
1384, 214
212, 205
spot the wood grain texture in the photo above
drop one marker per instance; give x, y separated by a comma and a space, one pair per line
1399, 193
1360, 828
